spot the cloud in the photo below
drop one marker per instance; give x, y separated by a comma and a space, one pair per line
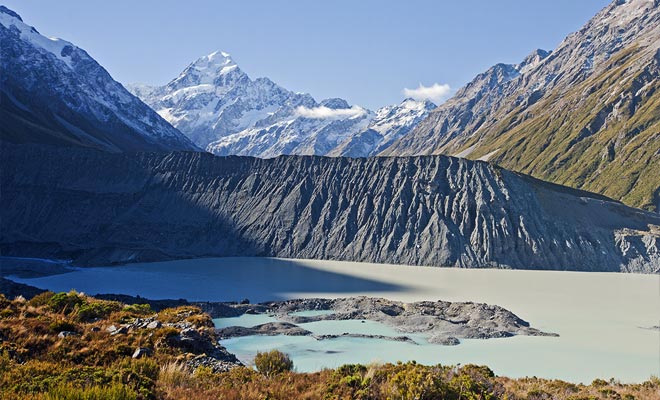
437, 93
323, 112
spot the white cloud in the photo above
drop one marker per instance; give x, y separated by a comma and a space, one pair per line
323, 112
437, 93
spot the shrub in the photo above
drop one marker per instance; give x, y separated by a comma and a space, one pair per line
414, 381
114, 391
65, 302
272, 363
138, 309
97, 309
599, 383
41, 299
6, 313
61, 325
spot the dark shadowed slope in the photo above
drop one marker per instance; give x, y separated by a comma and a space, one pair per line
434, 210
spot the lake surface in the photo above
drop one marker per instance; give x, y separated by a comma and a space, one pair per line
600, 316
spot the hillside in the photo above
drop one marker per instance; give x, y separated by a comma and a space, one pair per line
100, 208
586, 115
72, 346
53, 92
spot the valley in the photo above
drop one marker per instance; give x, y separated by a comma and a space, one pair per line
222, 236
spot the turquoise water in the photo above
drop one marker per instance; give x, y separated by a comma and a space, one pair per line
247, 320
365, 327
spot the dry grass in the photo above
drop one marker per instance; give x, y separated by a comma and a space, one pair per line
36, 364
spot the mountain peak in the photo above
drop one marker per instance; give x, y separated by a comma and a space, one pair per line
532, 60
5, 10
335, 103
218, 61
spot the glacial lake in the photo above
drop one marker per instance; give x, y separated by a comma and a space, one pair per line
602, 318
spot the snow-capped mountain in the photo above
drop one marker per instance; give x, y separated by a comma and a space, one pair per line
222, 110
389, 124
304, 130
53, 92
213, 98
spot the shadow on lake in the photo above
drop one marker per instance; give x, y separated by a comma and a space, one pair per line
212, 279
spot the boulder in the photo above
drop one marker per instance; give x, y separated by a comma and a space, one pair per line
154, 324
141, 352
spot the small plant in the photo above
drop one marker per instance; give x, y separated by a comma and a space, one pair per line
61, 326
138, 309
65, 302
272, 363
97, 309
41, 299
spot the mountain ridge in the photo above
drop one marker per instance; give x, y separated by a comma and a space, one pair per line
427, 210
79, 104
586, 115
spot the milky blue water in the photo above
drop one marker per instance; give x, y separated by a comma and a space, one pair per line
600, 316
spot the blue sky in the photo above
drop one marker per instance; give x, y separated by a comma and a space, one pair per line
365, 51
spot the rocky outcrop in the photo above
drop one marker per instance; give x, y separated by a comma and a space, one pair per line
267, 329
441, 322
100, 208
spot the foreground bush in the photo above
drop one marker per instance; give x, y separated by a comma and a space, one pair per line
272, 363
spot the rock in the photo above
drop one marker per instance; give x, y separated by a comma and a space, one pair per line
267, 329
142, 352
217, 365
405, 339
154, 325
444, 322
119, 331
111, 328
245, 301
64, 334
444, 340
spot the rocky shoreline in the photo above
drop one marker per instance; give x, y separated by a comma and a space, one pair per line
444, 323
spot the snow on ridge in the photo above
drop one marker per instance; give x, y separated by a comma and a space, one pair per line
55, 46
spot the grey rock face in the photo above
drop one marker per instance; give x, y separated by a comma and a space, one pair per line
53, 92
101, 208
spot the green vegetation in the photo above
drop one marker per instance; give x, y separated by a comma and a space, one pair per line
94, 364
272, 363
601, 135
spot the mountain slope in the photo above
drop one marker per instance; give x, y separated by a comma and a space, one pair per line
586, 115
312, 130
53, 92
213, 98
432, 210
388, 125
